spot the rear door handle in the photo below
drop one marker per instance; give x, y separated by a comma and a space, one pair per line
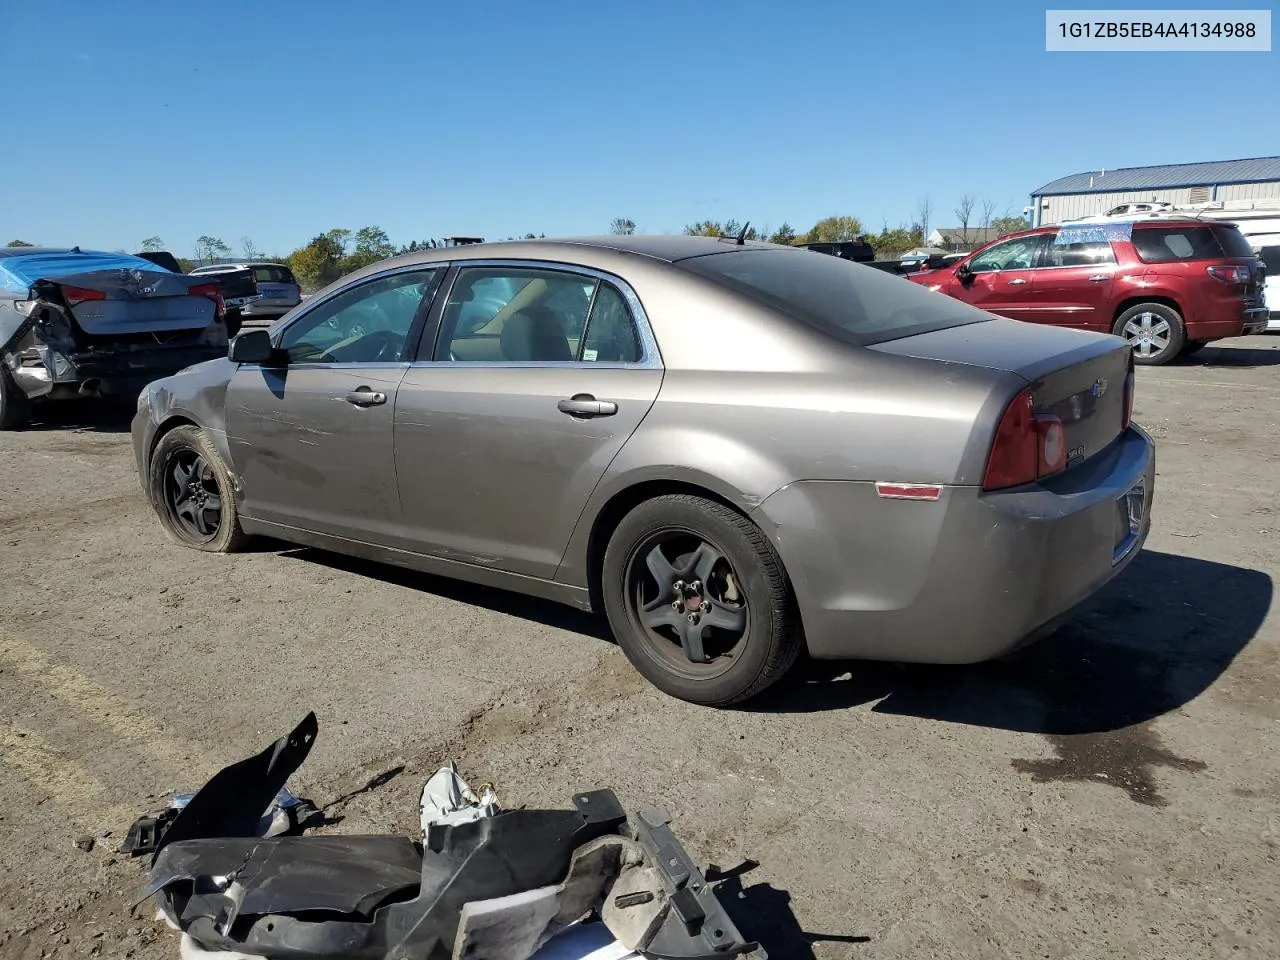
1016, 281
364, 397
585, 405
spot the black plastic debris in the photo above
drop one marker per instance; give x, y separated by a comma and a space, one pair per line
235, 803
499, 887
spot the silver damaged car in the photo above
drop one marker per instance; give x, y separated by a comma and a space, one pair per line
735, 451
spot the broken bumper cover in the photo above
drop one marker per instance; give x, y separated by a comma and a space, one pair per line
498, 887
105, 372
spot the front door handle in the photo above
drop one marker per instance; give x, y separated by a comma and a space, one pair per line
585, 405
1099, 277
1016, 281
364, 397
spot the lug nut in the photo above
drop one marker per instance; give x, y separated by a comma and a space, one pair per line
706, 606
695, 586
676, 605
678, 586
692, 618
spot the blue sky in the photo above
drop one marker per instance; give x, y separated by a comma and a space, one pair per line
279, 120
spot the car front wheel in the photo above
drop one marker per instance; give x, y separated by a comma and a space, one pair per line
1155, 332
699, 600
191, 490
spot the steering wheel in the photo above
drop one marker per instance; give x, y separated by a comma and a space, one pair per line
388, 345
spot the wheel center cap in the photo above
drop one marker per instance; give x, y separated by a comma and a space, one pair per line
692, 603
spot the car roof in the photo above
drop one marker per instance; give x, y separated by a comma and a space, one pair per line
667, 248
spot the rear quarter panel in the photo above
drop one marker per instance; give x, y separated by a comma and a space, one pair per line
744, 435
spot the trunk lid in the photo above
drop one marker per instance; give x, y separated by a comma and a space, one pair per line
132, 301
1076, 376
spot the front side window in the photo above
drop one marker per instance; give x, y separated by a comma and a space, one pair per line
534, 315
368, 323
1016, 254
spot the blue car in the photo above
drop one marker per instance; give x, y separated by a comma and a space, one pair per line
81, 323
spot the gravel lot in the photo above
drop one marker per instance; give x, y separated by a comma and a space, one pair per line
1112, 792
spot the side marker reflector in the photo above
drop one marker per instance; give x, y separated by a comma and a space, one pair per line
908, 491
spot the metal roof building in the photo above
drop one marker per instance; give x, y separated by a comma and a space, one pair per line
1097, 191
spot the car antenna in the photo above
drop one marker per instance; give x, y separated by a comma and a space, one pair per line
742, 235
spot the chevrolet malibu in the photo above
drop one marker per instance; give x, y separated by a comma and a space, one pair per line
735, 451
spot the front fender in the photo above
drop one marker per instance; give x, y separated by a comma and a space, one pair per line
196, 395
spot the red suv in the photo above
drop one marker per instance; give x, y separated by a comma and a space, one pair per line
1167, 286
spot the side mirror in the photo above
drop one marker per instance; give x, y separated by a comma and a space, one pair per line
963, 273
252, 346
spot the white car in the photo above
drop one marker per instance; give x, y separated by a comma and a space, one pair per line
1271, 291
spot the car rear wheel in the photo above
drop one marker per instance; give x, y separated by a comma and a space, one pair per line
191, 490
699, 601
1154, 331
15, 408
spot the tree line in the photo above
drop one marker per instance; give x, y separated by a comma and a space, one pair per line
337, 252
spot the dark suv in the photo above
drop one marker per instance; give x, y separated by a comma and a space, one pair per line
1168, 286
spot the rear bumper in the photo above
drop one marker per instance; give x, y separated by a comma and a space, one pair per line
123, 373
1252, 320
963, 579
269, 308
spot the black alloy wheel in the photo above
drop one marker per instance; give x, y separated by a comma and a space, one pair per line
193, 495
698, 600
192, 492
684, 592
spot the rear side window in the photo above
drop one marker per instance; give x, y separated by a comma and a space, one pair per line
1077, 254
270, 273
855, 303
1171, 244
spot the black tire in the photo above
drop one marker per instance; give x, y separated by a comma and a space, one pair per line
187, 452
753, 587
1193, 346
234, 320
15, 407
1154, 328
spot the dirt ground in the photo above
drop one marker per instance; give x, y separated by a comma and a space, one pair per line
1111, 792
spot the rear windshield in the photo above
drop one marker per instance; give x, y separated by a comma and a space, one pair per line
1233, 241
270, 273
855, 303
1171, 244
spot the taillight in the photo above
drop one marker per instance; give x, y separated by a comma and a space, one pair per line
1027, 446
214, 292
1234, 274
75, 295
